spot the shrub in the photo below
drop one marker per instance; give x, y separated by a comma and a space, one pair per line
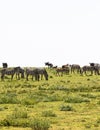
18, 118
52, 98
88, 95
66, 108
27, 101
48, 114
40, 124
19, 113
31, 99
8, 98
74, 99
98, 120
15, 122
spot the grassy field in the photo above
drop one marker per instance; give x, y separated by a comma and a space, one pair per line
70, 102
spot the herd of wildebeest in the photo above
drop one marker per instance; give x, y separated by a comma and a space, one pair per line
37, 73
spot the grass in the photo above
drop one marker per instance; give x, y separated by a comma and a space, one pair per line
66, 103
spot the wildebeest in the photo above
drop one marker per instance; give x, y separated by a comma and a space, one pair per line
50, 65
61, 70
54, 67
66, 65
37, 73
5, 65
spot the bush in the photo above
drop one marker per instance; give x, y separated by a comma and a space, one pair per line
40, 124
52, 98
15, 122
48, 114
19, 113
19, 117
66, 108
8, 98
74, 99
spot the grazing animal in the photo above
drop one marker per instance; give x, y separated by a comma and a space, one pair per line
61, 71
7, 72
64, 66
19, 71
75, 68
96, 67
32, 72
86, 69
50, 65
37, 73
12, 72
42, 73
5, 65
54, 67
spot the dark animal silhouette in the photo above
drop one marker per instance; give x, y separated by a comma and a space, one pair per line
12, 72
37, 73
87, 70
5, 65
50, 65
75, 68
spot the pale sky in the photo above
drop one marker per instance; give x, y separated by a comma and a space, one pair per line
33, 32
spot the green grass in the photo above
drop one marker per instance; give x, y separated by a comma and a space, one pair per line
64, 103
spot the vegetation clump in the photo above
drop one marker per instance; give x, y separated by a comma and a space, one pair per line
66, 108
40, 124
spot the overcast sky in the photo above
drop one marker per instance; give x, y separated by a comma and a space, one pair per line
33, 32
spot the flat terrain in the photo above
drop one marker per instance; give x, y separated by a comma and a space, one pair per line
69, 102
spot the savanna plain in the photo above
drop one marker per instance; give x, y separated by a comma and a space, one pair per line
68, 102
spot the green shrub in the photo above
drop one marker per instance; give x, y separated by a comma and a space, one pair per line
48, 114
5, 122
15, 122
88, 95
74, 99
88, 126
40, 124
66, 108
51, 98
19, 117
27, 101
19, 113
98, 120
31, 99
58, 87
8, 98
41, 88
